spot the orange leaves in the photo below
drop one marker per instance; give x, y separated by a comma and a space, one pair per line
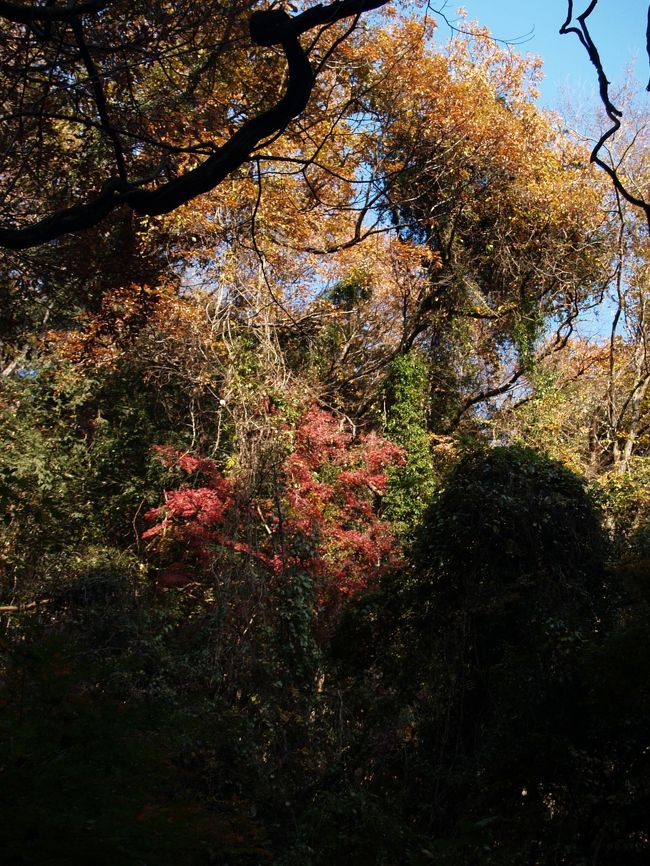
425, 176
168, 336
105, 335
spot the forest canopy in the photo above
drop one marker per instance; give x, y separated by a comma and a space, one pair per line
324, 443
165, 95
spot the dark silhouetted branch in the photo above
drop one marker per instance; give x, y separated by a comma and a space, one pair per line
613, 113
267, 28
100, 97
20, 14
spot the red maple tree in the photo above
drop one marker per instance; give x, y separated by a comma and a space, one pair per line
322, 513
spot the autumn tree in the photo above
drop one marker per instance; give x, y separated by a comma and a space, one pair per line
107, 82
591, 403
325, 186
411, 228
497, 201
99, 77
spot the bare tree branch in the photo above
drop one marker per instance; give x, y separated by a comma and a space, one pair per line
613, 113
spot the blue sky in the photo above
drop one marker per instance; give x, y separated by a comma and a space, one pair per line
618, 28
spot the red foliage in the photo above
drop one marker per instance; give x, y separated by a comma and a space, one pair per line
323, 513
176, 574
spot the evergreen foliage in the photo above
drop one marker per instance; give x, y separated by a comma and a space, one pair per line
410, 486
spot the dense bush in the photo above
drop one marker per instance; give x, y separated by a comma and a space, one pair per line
485, 661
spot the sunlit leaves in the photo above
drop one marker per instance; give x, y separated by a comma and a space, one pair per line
317, 510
